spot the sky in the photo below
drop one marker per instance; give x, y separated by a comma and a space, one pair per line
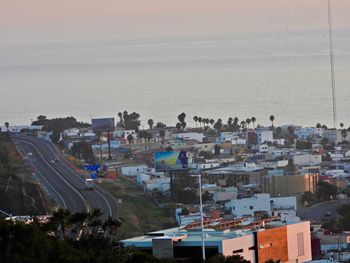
42, 21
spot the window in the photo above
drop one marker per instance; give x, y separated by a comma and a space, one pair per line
251, 207
237, 251
300, 241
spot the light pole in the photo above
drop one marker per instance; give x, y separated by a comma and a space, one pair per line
202, 219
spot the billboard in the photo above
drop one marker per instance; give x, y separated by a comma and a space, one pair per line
170, 160
103, 124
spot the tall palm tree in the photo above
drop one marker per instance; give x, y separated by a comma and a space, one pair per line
195, 118
272, 118
212, 121
229, 122
150, 123
130, 139
341, 125
243, 125
200, 121
253, 119
7, 125
248, 122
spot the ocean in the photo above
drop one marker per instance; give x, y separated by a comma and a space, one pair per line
285, 74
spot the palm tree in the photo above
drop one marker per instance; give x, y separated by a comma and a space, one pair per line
207, 121
130, 139
272, 118
162, 135
178, 126
248, 122
212, 121
195, 118
200, 121
253, 119
229, 122
341, 125
7, 125
62, 219
243, 125
150, 123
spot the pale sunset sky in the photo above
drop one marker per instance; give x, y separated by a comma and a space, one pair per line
41, 21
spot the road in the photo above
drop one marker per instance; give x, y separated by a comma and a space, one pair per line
62, 180
322, 210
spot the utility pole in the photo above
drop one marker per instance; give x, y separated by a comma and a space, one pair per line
202, 219
331, 57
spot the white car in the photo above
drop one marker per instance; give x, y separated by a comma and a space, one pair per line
30, 154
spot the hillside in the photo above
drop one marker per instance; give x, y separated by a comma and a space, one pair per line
20, 194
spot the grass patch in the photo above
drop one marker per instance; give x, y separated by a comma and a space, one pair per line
138, 212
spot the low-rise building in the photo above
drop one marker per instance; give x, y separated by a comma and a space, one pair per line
302, 159
224, 194
257, 241
134, 170
284, 207
287, 185
196, 136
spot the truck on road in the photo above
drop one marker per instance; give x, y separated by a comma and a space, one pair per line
89, 184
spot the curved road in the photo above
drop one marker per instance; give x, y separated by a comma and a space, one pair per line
65, 184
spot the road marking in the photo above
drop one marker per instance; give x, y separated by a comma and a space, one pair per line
53, 169
33, 167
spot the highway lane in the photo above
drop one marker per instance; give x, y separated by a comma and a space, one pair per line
97, 198
60, 189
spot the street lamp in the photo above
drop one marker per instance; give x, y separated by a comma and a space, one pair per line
202, 219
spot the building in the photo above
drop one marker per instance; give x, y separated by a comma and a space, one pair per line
287, 185
256, 241
302, 159
19, 128
224, 194
196, 136
161, 184
134, 170
306, 132
284, 207
263, 135
235, 175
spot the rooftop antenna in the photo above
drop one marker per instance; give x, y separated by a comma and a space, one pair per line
331, 57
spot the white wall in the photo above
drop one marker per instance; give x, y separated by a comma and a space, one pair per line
188, 136
134, 170
307, 159
247, 206
234, 244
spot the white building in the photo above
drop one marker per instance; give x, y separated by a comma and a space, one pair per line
285, 207
161, 184
307, 159
134, 170
335, 136
306, 132
201, 166
264, 135
196, 136
225, 194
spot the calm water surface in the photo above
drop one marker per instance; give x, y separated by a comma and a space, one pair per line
245, 75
